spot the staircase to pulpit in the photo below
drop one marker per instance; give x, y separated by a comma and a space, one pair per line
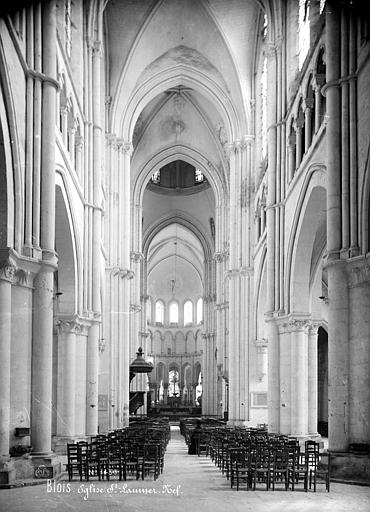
136, 401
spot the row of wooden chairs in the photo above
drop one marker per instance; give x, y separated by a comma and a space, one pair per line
89, 460
137, 450
288, 466
252, 456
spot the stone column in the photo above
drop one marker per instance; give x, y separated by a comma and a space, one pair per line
36, 130
262, 362
71, 145
312, 379
319, 81
126, 262
353, 128
205, 373
93, 338
165, 393
79, 157
42, 338
299, 378
7, 272
92, 370
359, 350
67, 382
299, 149
238, 274
338, 350
271, 270
308, 121
291, 156
284, 351
338, 309
64, 123
42, 355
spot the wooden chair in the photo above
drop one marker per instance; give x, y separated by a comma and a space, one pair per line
116, 461
73, 465
97, 460
320, 471
261, 467
242, 470
280, 469
132, 460
298, 471
151, 461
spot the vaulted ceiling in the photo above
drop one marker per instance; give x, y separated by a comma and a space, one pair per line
181, 87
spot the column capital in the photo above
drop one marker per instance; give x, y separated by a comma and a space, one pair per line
318, 81
221, 306
127, 147
111, 140
136, 256
313, 327
247, 141
69, 325
144, 334
292, 324
8, 271
79, 141
96, 48
233, 147
135, 308
208, 335
299, 123
209, 298
308, 104
221, 256
123, 273
292, 140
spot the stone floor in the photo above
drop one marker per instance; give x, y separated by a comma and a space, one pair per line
189, 483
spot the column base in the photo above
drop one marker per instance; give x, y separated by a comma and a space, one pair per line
350, 467
7, 472
45, 465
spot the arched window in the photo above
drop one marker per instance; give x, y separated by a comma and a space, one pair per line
200, 311
173, 383
320, 82
311, 113
199, 390
159, 312
174, 313
156, 177
188, 312
303, 31
198, 176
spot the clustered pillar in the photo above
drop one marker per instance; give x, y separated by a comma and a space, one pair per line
239, 275
348, 279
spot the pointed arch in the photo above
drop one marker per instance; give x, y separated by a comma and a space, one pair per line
11, 177
309, 208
